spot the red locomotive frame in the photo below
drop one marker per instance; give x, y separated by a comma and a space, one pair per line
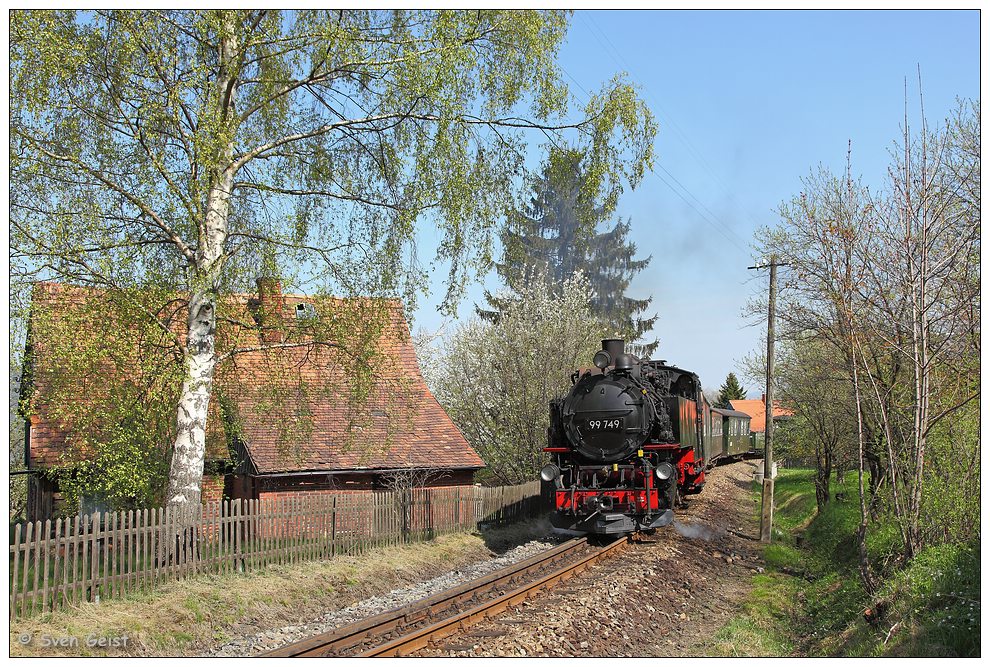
644, 496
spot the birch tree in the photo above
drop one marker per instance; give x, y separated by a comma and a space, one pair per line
931, 230
192, 150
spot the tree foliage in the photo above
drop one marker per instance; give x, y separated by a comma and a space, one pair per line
110, 382
496, 379
730, 391
564, 228
191, 150
880, 310
820, 395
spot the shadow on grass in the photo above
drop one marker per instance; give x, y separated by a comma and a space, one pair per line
502, 538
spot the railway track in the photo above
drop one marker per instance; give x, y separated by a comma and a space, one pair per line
405, 630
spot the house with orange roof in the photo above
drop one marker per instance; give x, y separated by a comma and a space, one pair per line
757, 411
287, 416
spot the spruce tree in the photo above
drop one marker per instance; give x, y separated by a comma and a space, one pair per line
730, 391
560, 231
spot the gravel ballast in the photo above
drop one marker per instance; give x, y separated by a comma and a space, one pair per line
260, 642
665, 598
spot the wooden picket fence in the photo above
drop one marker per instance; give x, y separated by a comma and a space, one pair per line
86, 559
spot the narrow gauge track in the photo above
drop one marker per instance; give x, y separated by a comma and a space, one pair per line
410, 628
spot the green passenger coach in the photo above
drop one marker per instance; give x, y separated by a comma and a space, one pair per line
733, 426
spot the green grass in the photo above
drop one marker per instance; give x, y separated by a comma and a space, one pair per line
811, 601
763, 628
938, 595
190, 616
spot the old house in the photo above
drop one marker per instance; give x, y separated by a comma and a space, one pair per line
313, 395
757, 411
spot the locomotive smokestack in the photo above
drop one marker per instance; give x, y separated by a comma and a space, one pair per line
614, 347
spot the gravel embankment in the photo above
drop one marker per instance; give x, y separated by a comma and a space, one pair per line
665, 598
268, 640
662, 599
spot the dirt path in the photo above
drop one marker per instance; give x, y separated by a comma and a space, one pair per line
665, 598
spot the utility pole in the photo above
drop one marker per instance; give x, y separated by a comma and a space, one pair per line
766, 510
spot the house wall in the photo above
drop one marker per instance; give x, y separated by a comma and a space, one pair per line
43, 498
212, 488
362, 505
310, 485
45, 501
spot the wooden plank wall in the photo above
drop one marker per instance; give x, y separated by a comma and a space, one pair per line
86, 559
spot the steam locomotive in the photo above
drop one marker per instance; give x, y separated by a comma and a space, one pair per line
629, 440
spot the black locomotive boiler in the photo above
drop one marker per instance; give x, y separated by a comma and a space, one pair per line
628, 440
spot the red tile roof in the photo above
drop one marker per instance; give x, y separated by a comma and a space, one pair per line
757, 411
297, 408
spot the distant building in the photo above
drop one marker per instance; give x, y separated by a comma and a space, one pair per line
757, 412
398, 431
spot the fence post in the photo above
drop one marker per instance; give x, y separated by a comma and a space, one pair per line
112, 543
56, 566
236, 519
70, 544
16, 569
29, 530
156, 524
99, 556
332, 526
429, 513
255, 542
88, 552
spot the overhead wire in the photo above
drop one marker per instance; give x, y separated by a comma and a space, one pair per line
721, 228
711, 218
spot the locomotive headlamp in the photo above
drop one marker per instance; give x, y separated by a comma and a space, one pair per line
602, 359
664, 471
549, 473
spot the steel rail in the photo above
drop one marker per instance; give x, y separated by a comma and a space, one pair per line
423, 637
367, 629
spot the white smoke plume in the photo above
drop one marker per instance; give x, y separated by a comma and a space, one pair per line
695, 531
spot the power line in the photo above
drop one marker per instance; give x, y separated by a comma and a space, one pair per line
685, 200
735, 238
619, 60
711, 218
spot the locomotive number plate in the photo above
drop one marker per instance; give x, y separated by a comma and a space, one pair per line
616, 424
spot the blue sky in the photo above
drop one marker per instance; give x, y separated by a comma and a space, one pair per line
748, 103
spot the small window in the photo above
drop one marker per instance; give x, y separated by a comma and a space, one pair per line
88, 504
305, 311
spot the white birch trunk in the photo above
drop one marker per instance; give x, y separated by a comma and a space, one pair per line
864, 559
189, 451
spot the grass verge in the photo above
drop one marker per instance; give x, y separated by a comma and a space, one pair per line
185, 618
810, 602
